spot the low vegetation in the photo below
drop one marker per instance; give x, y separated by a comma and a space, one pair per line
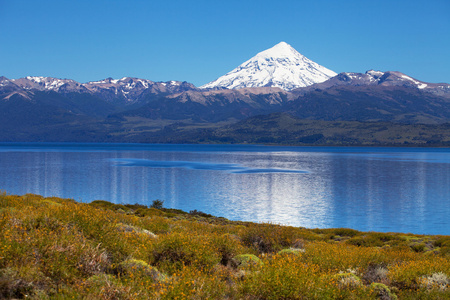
52, 248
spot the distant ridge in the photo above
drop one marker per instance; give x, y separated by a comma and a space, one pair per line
280, 66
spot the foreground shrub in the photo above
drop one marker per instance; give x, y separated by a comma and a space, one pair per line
288, 277
138, 267
411, 274
347, 280
340, 257
435, 281
14, 285
108, 205
133, 229
266, 238
175, 250
376, 273
383, 292
245, 261
227, 247
93, 260
291, 251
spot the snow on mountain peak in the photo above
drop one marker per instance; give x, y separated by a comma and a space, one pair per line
375, 73
43, 83
280, 50
280, 66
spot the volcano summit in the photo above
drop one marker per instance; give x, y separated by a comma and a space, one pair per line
280, 66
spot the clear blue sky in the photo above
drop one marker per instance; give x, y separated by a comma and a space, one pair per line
198, 41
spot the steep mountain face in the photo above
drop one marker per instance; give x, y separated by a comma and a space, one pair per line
280, 66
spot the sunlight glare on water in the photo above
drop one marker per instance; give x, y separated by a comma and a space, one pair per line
378, 189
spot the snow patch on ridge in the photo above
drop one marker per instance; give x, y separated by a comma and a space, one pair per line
419, 84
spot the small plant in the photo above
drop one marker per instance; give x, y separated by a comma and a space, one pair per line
158, 204
105, 286
245, 260
93, 261
228, 247
375, 273
383, 292
267, 238
133, 229
298, 244
348, 280
420, 247
291, 251
138, 267
438, 280
199, 213
12, 286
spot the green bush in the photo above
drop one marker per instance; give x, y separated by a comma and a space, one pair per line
383, 292
365, 241
420, 247
245, 261
108, 205
291, 251
347, 280
158, 204
138, 267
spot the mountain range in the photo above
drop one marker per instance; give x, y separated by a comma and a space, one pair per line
275, 83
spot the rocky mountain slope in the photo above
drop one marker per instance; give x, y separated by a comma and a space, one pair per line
378, 78
122, 92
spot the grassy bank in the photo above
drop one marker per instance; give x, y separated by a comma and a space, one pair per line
52, 248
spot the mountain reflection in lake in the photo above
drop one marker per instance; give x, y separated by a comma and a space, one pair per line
378, 189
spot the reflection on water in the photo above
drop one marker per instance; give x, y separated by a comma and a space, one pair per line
379, 189
194, 165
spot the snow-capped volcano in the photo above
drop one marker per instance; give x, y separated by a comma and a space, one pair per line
280, 66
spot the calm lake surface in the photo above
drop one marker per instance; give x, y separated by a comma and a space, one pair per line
370, 189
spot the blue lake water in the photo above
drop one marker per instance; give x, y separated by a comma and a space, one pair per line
370, 189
